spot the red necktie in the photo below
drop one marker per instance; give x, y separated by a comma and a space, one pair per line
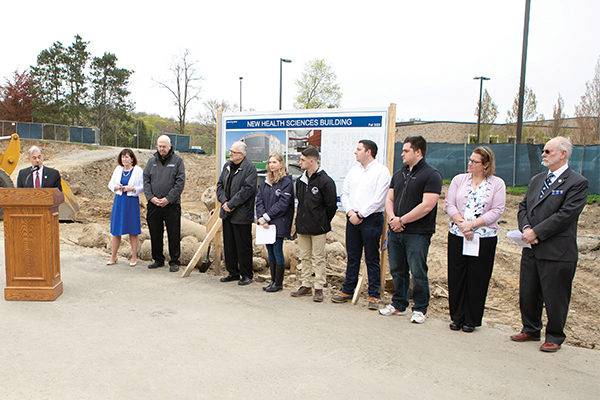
37, 179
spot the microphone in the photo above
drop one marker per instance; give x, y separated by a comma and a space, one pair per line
35, 168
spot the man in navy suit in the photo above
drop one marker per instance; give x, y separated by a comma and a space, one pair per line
548, 218
38, 176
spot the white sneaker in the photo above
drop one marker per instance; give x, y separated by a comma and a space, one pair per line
418, 317
391, 310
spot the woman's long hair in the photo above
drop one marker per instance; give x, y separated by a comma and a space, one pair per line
274, 177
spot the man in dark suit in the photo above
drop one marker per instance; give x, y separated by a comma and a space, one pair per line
548, 218
38, 176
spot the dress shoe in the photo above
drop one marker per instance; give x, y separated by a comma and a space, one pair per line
230, 278
318, 297
269, 286
549, 347
302, 291
454, 326
245, 281
524, 337
468, 328
112, 262
155, 264
133, 263
174, 268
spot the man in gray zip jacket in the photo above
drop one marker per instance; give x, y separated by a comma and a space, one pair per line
236, 191
164, 179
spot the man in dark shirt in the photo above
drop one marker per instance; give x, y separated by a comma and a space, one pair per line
236, 191
411, 207
164, 180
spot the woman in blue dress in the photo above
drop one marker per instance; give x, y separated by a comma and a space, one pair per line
127, 182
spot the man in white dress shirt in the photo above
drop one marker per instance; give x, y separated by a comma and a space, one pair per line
363, 200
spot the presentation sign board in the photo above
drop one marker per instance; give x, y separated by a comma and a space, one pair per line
334, 132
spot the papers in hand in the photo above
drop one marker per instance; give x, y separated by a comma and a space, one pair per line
265, 236
517, 237
471, 247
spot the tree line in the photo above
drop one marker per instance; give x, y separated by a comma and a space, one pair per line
587, 115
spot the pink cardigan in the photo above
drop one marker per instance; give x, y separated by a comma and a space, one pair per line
494, 202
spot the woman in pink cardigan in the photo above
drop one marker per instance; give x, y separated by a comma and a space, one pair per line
474, 203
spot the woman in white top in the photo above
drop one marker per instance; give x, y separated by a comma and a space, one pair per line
127, 182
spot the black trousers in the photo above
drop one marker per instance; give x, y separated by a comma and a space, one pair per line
237, 245
468, 279
157, 217
364, 235
545, 282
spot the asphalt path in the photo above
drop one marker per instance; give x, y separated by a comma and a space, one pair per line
131, 333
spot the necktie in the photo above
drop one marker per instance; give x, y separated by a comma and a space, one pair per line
37, 179
546, 184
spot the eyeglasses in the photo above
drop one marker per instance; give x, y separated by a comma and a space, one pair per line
471, 161
546, 151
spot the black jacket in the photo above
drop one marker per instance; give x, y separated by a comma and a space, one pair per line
51, 178
317, 203
164, 177
242, 192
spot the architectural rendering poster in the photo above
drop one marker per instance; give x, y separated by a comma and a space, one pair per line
334, 132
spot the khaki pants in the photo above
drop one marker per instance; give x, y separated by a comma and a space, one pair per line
312, 255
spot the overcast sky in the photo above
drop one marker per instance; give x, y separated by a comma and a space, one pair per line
421, 55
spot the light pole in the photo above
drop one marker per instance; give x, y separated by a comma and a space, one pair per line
281, 61
241, 77
481, 79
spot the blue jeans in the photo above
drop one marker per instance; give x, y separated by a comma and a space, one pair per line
364, 235
408, 252
275, 251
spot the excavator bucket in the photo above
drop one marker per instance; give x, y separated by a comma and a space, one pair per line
69, 209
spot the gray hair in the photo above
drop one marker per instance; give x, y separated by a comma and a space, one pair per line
33, 149
241, 146
163, 138
565, 144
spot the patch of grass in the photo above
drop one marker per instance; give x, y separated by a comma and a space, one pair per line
520, 190
593, 198
516, 190
93, 147
446, 181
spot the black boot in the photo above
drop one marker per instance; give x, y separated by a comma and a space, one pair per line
279, 269
270, 285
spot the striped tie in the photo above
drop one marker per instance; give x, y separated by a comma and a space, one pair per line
546, 184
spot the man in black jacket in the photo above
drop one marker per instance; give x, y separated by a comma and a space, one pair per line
164, 179
38, 176
236, 191
317, 203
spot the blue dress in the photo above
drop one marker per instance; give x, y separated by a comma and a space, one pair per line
125, 215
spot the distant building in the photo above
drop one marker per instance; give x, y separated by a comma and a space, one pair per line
260, 145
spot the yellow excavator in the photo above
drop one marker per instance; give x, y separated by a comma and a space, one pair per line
67, 211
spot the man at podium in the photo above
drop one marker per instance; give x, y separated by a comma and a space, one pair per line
38, 176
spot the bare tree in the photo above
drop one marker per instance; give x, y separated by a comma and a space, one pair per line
185, 88
530, 114
558, 117
588, 113
489, 112
206, 134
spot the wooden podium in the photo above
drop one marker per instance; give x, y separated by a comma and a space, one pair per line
31, 243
